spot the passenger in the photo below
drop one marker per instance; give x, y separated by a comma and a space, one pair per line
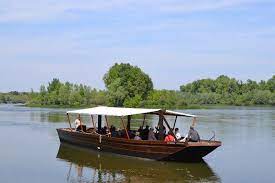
112, 128
124, 134
131, 134
137, 137
104, 130
177, 133
77, 123
78, 126
145, 133
151, 135
193, 135
140, 129
161, 133
169, 137
114, 133
119, 133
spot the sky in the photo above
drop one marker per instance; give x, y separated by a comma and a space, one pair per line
175, 41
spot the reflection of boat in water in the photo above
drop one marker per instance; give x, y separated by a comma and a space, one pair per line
158, 149
113, 168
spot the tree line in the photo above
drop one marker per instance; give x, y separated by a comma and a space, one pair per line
129, 86
229, 91
67, 94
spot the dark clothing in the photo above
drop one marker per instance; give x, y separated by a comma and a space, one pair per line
161, 133
144, 134
114, 134
80, 127
193, 135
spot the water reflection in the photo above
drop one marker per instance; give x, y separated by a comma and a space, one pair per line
93, 166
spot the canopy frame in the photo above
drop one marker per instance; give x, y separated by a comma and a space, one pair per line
122, 112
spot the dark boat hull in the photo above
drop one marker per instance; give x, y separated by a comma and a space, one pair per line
158, 150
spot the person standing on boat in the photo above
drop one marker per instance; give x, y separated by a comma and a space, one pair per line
151, 135
193, 135
77, 123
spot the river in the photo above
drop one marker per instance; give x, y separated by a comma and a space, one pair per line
30, 150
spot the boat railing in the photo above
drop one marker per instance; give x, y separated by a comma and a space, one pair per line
213, 137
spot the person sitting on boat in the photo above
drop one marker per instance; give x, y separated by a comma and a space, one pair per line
119, 133
151, 134
145, 132
177, 133
124, 134
131, 134
114, 133
137, 137
104, 130
193, 135
169, 137
161, 132
140, 129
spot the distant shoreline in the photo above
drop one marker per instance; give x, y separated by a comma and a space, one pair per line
209, 106
200, 94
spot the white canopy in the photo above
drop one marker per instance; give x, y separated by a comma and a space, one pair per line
119, 111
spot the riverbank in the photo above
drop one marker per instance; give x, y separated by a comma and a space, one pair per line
212, 106
88, 106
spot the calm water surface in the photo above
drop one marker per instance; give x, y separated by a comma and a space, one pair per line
30, 150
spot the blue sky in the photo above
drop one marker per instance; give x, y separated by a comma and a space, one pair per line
174, 41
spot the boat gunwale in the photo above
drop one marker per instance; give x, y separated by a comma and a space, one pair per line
144, 142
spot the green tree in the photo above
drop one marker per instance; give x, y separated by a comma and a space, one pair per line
54, 85
125, 81
271, 84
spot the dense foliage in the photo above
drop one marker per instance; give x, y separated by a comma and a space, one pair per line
225, 90
127, 85
15, 97
67, 94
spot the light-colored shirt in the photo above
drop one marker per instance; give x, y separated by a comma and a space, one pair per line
77, 123
178, 135
151, 135
137, 138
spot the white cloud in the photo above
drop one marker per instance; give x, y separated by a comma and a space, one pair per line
176, 46
41, 10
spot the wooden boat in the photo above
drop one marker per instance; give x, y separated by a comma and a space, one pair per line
158, 150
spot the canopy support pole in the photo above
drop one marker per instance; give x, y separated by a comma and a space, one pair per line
128, 122
169, 127
124, 127
108, 127
93, 122
194, 121
175, 122
69, 121
99, 122
143, 122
